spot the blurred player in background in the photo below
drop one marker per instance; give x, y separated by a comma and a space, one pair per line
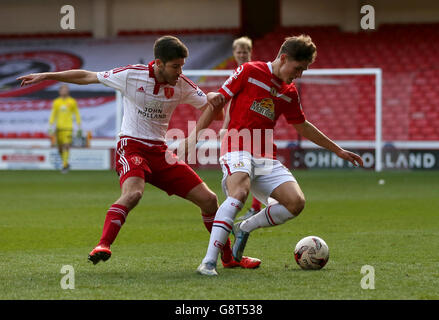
260, 93
242, 52
64, 108
150, 95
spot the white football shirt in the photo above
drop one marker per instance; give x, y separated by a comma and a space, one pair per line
148, 104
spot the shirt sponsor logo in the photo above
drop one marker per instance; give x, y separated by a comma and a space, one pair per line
264, 107
152, 110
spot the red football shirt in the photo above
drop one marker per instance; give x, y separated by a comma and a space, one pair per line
259, 98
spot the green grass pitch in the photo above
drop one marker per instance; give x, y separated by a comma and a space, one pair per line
49, 220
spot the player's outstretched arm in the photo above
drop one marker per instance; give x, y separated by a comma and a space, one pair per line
309, 131
213, 108
70, 76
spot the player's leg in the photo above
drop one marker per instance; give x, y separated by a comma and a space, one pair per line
176, 177
255, 208
281, 186
238, 186
204, 198
291, 202
59, 142
132, 191
132, 169
65, 154
207, 201
65, 141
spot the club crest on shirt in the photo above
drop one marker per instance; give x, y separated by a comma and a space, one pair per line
169, 92
240, 164
264, 107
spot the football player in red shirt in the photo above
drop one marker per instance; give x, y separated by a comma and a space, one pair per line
260, 92
242, 53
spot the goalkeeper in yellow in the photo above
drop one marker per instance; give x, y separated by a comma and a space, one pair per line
63, 109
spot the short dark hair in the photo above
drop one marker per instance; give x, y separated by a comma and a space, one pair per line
168, 48
299, 48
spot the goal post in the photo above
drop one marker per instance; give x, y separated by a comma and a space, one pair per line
375, 142
377, 73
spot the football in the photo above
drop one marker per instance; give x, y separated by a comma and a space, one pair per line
311, 253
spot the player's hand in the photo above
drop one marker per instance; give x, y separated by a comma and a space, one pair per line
32, 78
216, 99
353, 158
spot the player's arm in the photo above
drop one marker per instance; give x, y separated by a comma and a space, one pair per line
309, 131
219, 116
212, 108
69, 76
225, 122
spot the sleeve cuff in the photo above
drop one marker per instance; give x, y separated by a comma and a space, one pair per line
226, 92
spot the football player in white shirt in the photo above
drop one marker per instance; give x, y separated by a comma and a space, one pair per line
151, 93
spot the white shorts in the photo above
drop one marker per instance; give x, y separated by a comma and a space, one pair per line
265, 174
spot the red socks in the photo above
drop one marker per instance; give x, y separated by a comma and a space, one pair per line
256, 205
116, 217
114, 220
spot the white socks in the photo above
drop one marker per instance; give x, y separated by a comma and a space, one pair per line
222, 225
272, 215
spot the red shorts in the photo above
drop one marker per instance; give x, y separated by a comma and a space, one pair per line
152, 161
